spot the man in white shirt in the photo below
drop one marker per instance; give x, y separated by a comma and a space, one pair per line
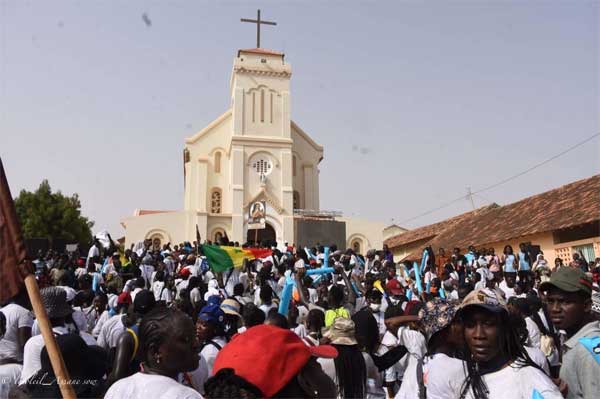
111, 331
18, 328
94, 252
507, 285
147, 268
57, 308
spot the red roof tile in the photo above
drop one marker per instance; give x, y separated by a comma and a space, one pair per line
431, 230
143, 212
571, 205
260, 51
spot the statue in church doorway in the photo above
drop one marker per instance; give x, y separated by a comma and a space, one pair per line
263, 179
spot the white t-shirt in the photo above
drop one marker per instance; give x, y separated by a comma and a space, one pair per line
245, 280
80, 319
150, 386
180, 284
518, 383
375, 388
147, 271
453, 295
195, 379
111, 332
16, 317
414, 342
266, 308
230, 281
195, 296
80, 272
129, 284
313, 295
508, 292
134, 293
299, 330
442, 375
535, 335
538, 358
9, 377
210, 352
209, 275
380, 318
93, 252
395, 372
32, 353
100, 323
160, 293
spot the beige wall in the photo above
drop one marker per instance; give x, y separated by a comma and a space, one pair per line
402, 251
174, 227
368, 234
546, 243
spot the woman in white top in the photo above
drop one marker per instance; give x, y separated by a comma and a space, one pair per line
168, 347
497, 365
348, 370
429, 374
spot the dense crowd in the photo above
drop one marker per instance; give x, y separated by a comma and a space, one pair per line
158, 321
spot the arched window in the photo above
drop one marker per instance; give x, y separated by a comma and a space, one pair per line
356, 246
294, 163
215, 200
218, 162
296, 200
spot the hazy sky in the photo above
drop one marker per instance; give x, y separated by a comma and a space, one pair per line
413, 102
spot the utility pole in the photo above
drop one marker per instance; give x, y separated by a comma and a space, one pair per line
470, 195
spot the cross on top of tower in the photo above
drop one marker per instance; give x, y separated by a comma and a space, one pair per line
258, 22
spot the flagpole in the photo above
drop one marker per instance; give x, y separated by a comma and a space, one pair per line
56, 360
15, 255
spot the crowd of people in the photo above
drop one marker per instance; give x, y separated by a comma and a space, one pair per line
157, 321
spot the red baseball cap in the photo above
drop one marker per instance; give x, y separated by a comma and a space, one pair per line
393, 287
185, 272
125, 298
268, 357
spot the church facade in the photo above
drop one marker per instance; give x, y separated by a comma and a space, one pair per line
252, 153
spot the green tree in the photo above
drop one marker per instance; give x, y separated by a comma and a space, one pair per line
44, 214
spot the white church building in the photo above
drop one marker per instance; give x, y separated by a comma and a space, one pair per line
253, 152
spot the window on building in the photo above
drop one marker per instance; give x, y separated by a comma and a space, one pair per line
262, 105
218, 162
294, 165
262, 166
215, 201
296, 200
587, 251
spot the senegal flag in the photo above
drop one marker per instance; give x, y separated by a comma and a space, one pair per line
221, 258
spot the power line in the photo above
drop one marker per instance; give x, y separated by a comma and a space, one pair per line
484, 198
462, 197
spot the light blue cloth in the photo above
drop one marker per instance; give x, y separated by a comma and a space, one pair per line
509, 265
524, 265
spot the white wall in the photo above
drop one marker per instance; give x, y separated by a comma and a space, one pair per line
370, 233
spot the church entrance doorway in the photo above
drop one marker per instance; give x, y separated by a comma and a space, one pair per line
265, 237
